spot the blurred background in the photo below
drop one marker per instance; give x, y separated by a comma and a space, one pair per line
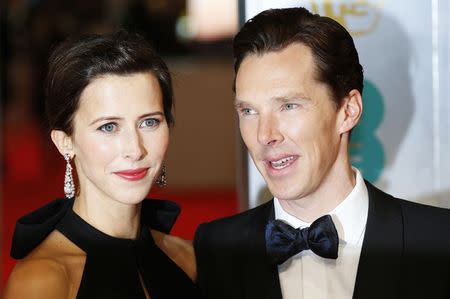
401, 144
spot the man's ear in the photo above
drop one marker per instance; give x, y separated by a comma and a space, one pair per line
62, 141
351, 110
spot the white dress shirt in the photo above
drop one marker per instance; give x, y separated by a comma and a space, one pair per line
309, 276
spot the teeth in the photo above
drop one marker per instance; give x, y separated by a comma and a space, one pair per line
284, 160
281, 163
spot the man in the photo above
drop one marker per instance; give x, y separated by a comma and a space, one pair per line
298, 95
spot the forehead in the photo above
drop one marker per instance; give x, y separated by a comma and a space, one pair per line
290, 70
122, 84
121, 90
119, 96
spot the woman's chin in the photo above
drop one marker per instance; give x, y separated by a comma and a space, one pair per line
131, 198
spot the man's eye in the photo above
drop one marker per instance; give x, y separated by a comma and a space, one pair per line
290, 106
108, 128
248, 111
150, 122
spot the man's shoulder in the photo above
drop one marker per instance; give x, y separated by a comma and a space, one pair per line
407, 206
423, 210
234, 229
414, 214
425, 220
426, 235
238, 220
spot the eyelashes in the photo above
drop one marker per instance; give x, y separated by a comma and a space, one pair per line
290, 106
247, 111
108, 128
113, 127
250, 111
149, 122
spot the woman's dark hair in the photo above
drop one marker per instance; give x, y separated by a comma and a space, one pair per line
336, 58
77, 62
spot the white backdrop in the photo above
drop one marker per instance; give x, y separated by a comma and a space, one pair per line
403, 142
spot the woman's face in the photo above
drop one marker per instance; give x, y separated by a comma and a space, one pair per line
120, 137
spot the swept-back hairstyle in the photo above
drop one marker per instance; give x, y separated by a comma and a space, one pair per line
336, 59
76, 62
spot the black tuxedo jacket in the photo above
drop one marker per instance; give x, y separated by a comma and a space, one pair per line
405, 253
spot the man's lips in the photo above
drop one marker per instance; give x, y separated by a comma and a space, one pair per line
132, 174
282, 162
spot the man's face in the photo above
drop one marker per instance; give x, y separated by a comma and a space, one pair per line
287, 120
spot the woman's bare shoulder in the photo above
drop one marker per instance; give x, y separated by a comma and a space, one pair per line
36, 277
178, 250
47, 272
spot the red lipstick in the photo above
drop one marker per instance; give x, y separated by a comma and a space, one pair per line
132, 174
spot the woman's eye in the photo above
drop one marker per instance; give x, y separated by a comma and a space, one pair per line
150, 122
108, 128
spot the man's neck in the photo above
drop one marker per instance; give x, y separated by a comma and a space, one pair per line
334, 188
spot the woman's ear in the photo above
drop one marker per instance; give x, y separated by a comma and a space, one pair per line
62, 141
352, 110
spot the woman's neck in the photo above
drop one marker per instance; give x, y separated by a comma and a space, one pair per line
109, 216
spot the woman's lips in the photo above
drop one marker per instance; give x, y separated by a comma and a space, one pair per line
132, 174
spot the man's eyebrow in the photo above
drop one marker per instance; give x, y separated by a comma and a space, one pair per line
238, 103
290, 97
283, 98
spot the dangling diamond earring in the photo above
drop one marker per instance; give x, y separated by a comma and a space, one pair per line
69, 186
161, 181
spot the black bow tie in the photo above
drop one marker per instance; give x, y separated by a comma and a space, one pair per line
284, 241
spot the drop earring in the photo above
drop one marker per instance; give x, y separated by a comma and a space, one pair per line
161, 181
69, 186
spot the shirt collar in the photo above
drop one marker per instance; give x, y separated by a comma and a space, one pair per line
349, 217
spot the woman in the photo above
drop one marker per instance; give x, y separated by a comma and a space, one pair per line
109, 102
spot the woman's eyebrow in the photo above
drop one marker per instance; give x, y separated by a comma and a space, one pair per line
115, 118
103, 118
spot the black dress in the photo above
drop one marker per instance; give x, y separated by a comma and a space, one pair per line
112, 265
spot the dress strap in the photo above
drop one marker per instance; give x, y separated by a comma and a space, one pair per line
33, 228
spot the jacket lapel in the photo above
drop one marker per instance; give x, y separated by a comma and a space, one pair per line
261, 278
378, 274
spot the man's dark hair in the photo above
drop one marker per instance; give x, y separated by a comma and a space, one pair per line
77, 62
335, 55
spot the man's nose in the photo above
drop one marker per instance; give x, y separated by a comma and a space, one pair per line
269, 130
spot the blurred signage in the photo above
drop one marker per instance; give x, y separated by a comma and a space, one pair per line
358, 17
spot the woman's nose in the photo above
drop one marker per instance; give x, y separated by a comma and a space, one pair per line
133, 146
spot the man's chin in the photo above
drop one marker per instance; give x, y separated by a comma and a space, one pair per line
283, 193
